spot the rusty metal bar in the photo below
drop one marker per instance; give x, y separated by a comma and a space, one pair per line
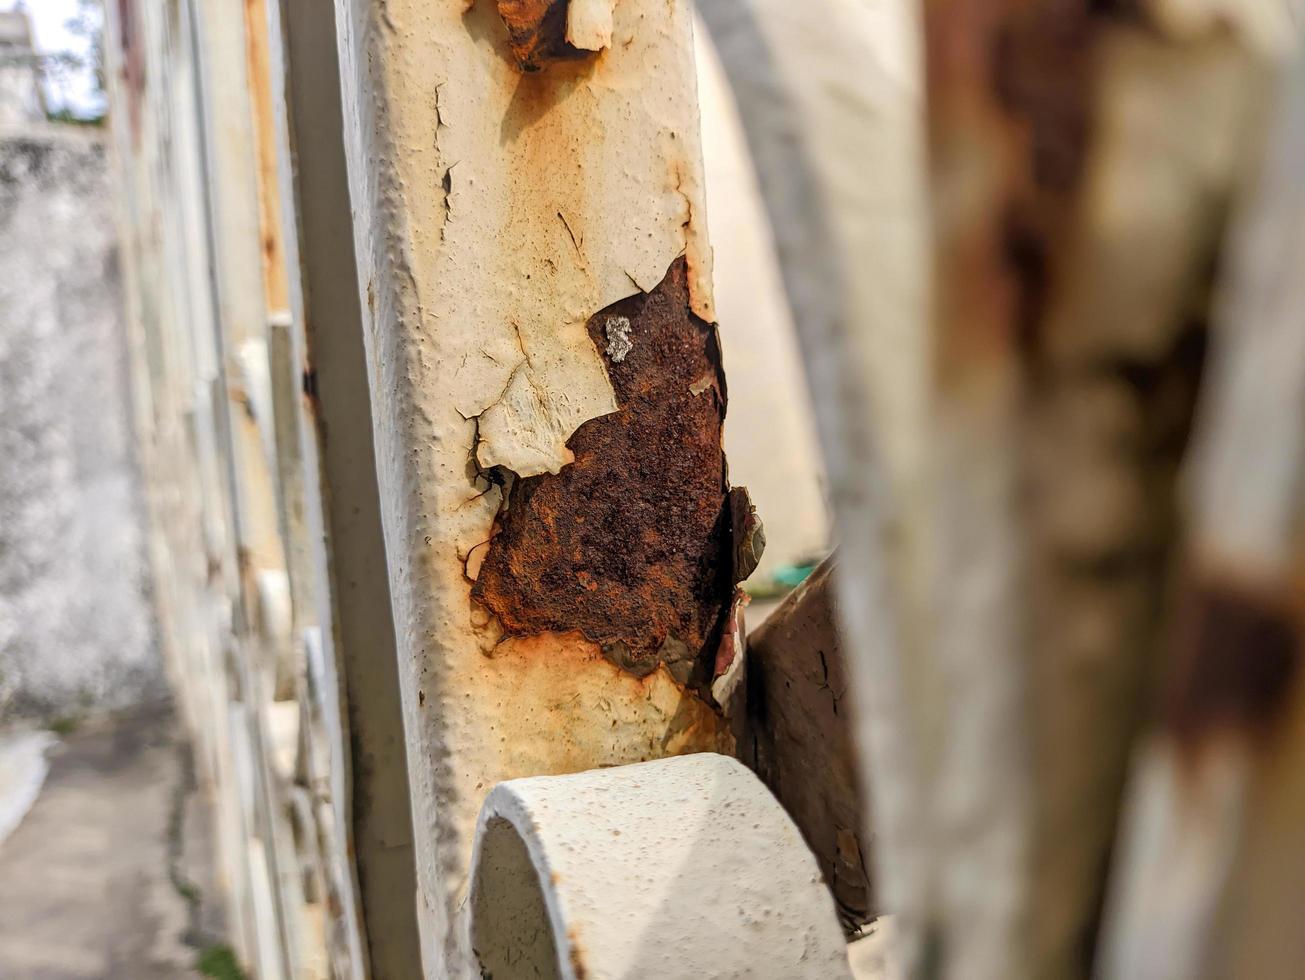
529, 229
1217, 781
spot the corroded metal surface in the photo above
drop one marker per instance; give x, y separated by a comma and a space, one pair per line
799, 736
630, 543
536, 31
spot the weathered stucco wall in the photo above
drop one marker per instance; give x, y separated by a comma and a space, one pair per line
74, 621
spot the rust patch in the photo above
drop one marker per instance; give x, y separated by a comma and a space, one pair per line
1009, 90
630, 544
536, 31
1042, 75
1237, 655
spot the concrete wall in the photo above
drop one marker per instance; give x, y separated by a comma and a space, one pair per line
74, 622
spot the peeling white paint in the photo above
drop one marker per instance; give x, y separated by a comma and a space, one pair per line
727, 684
521, 227
619, 343
589, 24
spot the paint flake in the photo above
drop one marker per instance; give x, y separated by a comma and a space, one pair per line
619, 343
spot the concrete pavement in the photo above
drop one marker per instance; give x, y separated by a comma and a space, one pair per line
110, 873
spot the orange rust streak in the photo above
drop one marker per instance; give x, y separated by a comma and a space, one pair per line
257, 56
573, 709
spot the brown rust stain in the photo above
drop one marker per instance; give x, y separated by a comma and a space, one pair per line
1042, 75
1009, 89
1236, 658
631, 544
577, 955
536, 31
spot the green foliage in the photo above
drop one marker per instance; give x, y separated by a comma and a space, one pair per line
64, 725
57, 66
67, 116
219, 962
